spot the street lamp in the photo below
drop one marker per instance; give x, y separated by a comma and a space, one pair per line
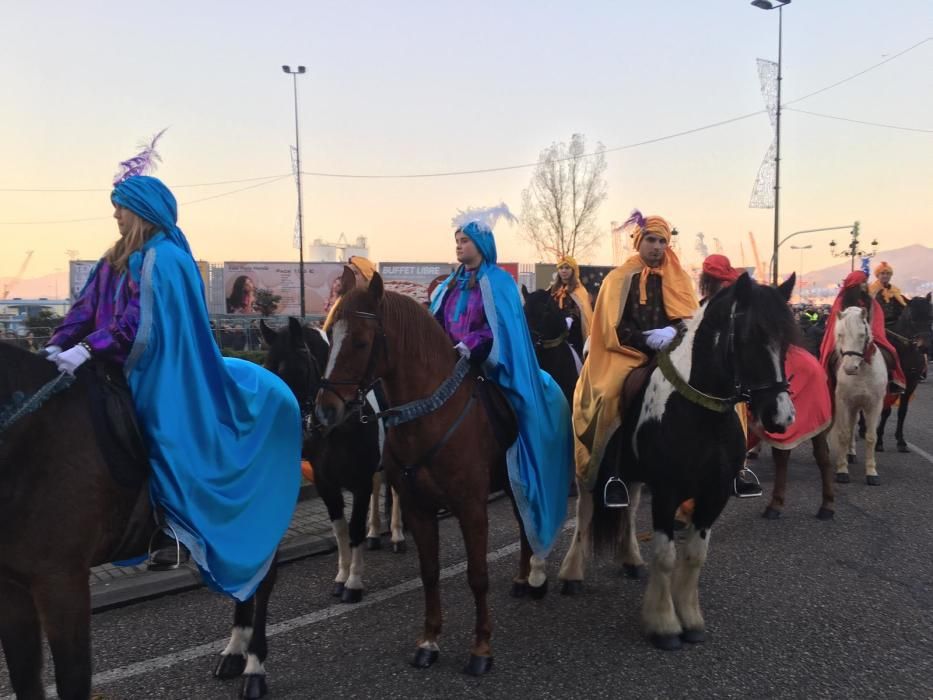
779, 5
801, 248
773, 263
852, 250
300, 70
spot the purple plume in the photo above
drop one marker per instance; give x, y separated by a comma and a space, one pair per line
635, 218
142, 163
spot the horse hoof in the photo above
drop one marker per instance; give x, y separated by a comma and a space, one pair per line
850, 459
771, 513
901, 447
636, 572
254, 686
873, 480
339, 587
825, 514
571, 587
478, 665
666, 642
230, 666
425, 658
537, 592
693, 636
399, 547
351, 595
842, 478
519, 589
373, 543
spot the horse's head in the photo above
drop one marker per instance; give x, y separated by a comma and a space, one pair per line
853, 336
545, 320
761, 326
916, 321
297, 354
358, 353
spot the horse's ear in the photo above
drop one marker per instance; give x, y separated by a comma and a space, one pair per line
268, 335
930, 297
786, 288
347, 280
525, 294
864, 314
295, 332
376, 288
743, 288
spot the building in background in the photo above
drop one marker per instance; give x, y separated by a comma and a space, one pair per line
341, 251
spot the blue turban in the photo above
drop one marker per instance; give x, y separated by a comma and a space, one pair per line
149, 198
483, 239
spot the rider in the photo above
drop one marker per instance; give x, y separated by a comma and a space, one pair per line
639, 310
854, 292
480, 308
574, 302
223, 436
363, 271
890, 298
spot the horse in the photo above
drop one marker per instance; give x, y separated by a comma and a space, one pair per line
62, 511
450, 454
549, 333
861, 382
682, 437
344, 458
910, 336
781, 457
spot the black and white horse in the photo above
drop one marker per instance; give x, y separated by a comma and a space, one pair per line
682, 437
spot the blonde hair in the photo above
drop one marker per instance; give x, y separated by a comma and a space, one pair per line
140, 231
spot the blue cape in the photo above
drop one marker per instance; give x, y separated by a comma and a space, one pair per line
540, 462
224, 435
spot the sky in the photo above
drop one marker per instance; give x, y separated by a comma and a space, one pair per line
423, 87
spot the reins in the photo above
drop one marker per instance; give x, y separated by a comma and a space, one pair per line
21, 406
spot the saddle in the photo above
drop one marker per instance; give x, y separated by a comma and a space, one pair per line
635, 382
500, 411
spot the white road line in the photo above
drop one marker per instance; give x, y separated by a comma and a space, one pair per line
916, 450
336, 610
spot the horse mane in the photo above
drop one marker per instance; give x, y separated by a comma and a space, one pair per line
769, 315
418, 334
21, 369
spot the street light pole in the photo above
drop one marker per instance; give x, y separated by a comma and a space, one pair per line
301, 241
809, 230
801, 248
769, 5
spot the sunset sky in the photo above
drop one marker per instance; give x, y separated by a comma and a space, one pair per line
414, 87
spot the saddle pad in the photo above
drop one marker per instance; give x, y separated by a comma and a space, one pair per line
635, 382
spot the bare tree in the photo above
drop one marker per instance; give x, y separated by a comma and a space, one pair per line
560, 205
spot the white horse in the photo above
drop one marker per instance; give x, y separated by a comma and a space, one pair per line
861, 381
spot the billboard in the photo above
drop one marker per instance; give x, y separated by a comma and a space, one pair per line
413, 278
242, 280
78, 272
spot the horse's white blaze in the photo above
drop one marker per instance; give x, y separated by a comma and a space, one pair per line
686, 579
240, 638
571, 568
340, 333
538, 575
342, 535
355, 580
784, 411
321, 333
657, 607
254, 666
396, 523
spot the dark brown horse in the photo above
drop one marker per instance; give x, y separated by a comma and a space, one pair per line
449, 458
781, 458
62, 511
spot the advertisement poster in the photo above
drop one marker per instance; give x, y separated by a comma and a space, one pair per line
243, 280
78, 272
412, 278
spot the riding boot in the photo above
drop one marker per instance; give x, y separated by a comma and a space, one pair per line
166, 552
890, 363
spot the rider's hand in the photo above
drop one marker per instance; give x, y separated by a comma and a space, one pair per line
659, 338
69, 360
462, 349
569, 321
50, 352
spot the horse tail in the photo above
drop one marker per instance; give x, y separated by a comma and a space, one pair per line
607, 524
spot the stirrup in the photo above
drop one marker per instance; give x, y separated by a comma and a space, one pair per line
615, 502
735, 484
151, 563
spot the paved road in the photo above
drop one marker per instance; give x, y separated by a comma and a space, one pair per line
795, 609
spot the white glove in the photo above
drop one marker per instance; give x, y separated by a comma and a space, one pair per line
462, 349
569, 321
659, 338
49, 352
69, 360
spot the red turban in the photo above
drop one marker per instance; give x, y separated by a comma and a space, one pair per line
854, 279
718, 267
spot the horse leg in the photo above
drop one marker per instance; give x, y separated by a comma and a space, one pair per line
64, 605
334, 502
374, 531
571, 568
879, 445
233, 658
842, 434
474, 526
658, 615
633, 566
423, 527
353, 592
872, 414
521, 585
821, 455
776, 506
254, 675
21, 636
902, 406
398, 533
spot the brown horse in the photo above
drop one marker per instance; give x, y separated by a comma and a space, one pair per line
449, 458
62, 511
781, 458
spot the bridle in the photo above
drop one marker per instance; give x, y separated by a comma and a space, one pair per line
743, 391
866, 353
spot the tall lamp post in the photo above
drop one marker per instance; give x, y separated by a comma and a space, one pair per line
801, 248
779, 5
853, 250
299, 70
773, 263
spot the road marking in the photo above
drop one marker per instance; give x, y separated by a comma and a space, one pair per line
926, 455
336, 610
